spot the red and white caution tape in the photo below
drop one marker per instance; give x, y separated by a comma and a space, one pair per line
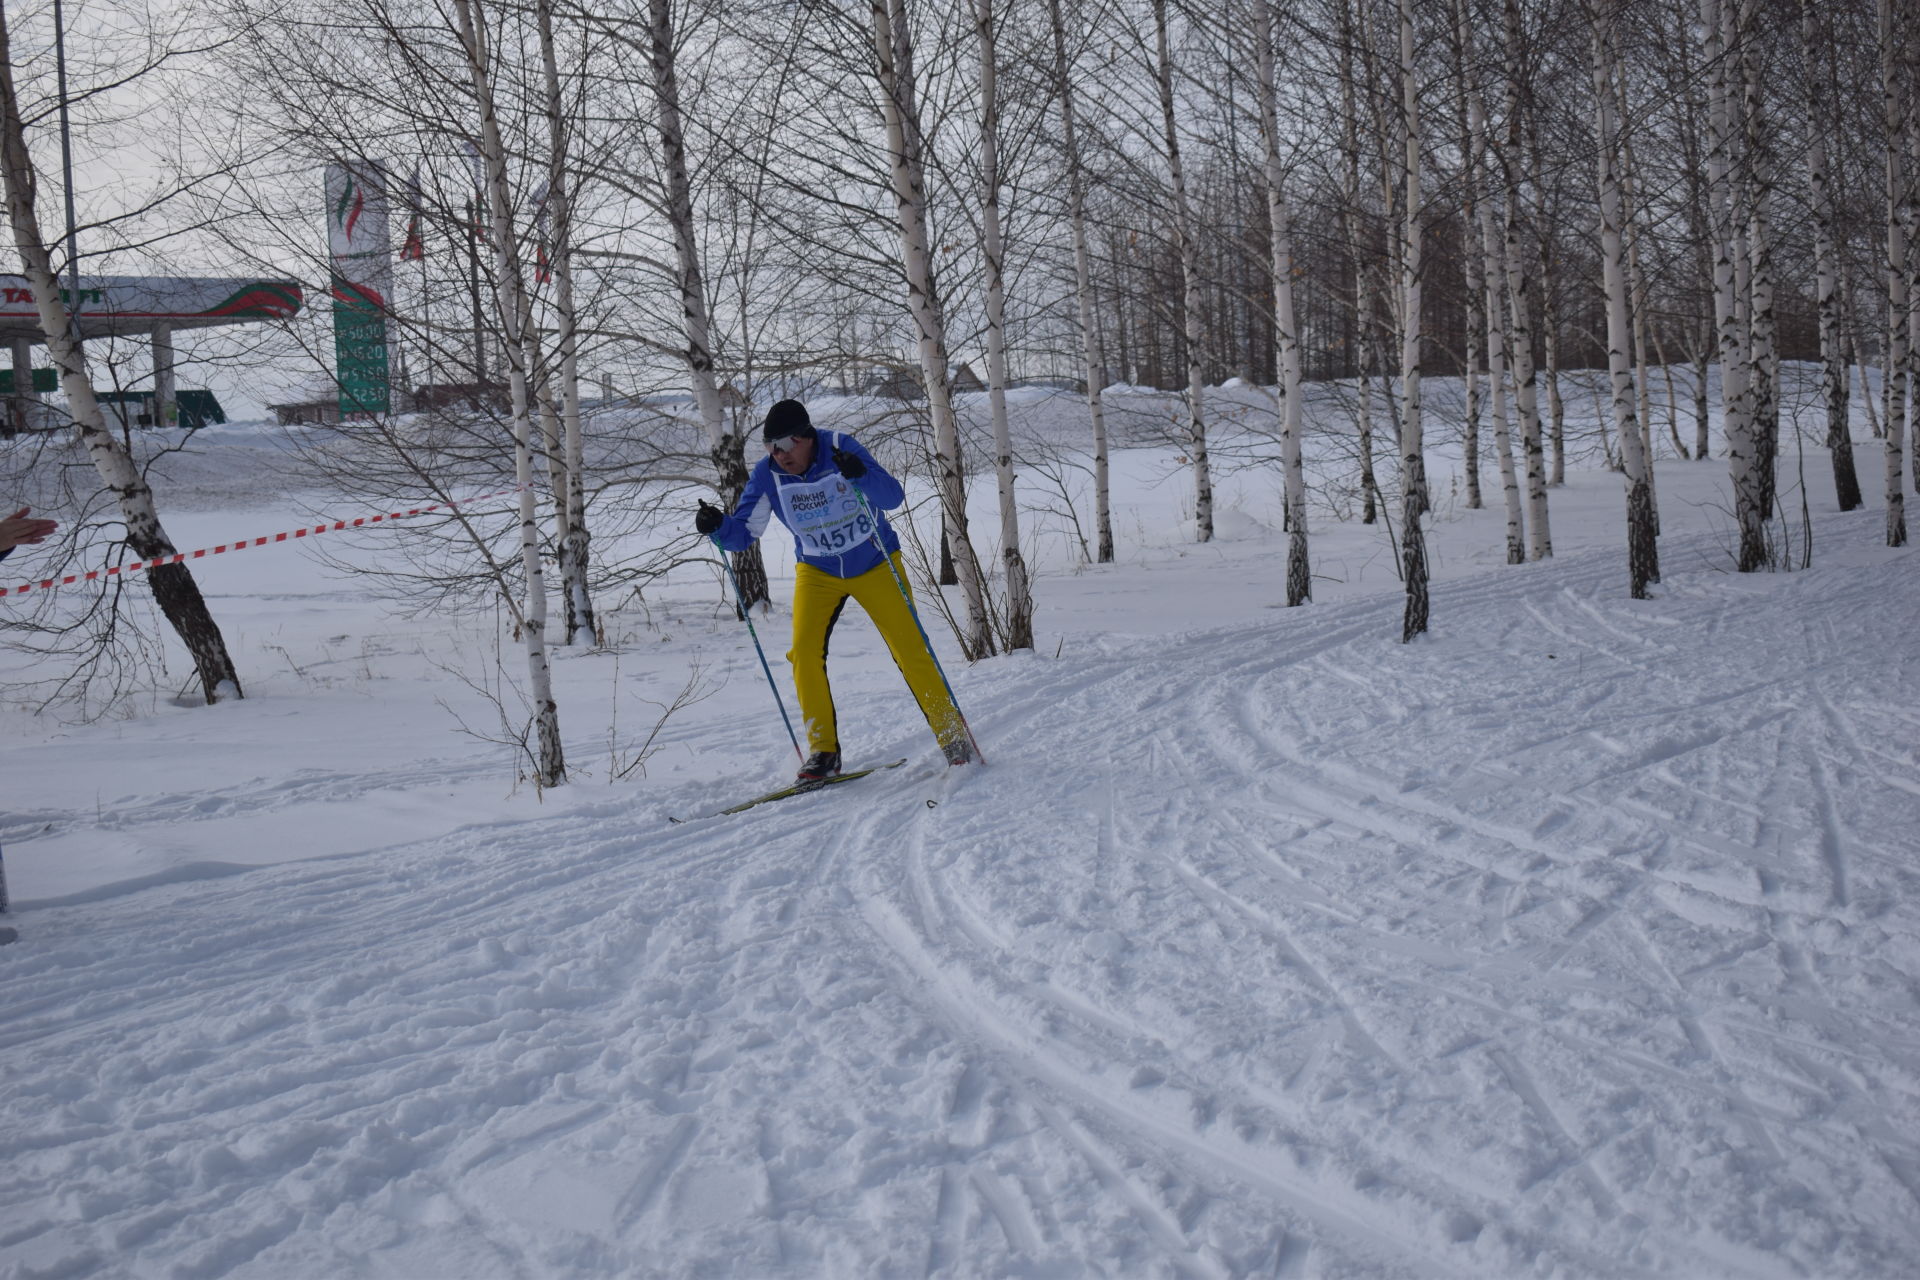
48, 584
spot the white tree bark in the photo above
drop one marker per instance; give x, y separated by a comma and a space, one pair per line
1897, 100
1642, 549
575, 541
1286, 331
1083, 288
1350, 227
174, 588
726, 450
1019, 616
1413, 465
1765, 385
1187, 245
1732, 277
893, 52
1526, 395
1835, 381
1493, 271
1625, 173
1471, 263
516, 315
1735, 31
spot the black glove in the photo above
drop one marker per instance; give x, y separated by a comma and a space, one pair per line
707, 519
849, 463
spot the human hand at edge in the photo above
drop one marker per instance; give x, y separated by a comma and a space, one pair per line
17, 529
707, 519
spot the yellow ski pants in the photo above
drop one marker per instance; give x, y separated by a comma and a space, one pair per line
818, 598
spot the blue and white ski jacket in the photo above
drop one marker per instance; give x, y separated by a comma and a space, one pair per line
820, 508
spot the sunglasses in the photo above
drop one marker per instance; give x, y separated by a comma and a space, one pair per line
784, 444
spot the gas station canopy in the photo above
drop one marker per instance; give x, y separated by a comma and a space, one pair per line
138, 305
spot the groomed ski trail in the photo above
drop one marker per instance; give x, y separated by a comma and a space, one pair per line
1578, 939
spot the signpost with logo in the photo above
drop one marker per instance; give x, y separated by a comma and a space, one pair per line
357, 243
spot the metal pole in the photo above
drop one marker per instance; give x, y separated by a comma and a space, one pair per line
746, 615
66, 169
473, 287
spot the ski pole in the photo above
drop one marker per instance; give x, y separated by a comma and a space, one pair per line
746, 612
919, 626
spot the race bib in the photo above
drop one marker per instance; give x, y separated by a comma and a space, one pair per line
825, 516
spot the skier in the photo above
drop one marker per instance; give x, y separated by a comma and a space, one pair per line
814, 482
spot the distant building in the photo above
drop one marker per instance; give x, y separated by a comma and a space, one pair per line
471, 395
1049, 384
190, 409
304, 411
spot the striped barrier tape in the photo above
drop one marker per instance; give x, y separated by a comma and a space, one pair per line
48, 584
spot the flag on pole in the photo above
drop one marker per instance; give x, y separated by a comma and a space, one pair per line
414, 247
543, 268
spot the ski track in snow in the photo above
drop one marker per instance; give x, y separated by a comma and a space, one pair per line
1577, 939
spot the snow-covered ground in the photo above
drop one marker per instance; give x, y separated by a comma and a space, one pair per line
1579, 938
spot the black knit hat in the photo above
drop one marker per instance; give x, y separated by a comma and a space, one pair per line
787, 418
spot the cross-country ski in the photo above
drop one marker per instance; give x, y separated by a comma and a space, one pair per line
800, 789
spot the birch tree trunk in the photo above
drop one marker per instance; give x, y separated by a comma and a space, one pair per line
1497, 380
1286, 332
893, 49
1083, 289
1910, 369
174, 588
1413, 466
516, 314
1643, 564
1471, 262
1019, 619
1835, 382
1760, 309
575, 541
1637, 295
1549, 309
1190, 283
1898, 103
1719, 22
1362, 295
1539, 535
725, 450
1492, 272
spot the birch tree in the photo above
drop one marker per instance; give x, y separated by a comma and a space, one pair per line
1286, 332
1526, 396
1413, 468
173, 585
516, 314
1096, 371
1835, 381
893, 51
1491, 276
571, 495
1897, 99
1187, 247
1471, 263
1762, 322
1356, 255
1643, 564
1719, 25
725, 449
1019, 614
